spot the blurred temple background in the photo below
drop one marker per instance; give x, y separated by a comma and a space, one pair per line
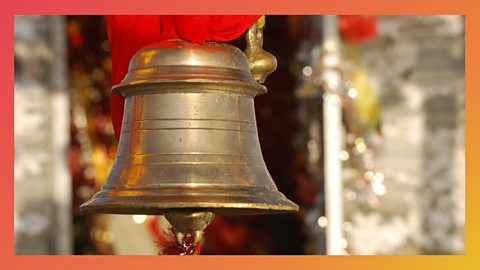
397, 80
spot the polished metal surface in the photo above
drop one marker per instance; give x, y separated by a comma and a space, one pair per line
158, 66
189, 136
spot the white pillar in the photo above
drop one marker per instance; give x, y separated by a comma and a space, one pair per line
333, 136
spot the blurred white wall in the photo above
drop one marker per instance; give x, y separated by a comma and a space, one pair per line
42, 179
416, 66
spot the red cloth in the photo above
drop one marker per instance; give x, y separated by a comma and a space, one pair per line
129, 33
357, 28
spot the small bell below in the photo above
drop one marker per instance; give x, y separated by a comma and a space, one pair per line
189, 147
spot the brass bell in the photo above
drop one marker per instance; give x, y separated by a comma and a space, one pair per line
189, 147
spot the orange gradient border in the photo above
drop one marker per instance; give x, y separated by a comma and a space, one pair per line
469, 8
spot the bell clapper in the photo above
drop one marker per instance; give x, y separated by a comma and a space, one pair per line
189, 226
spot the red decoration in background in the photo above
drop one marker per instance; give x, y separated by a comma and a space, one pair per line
357, 28
129, 33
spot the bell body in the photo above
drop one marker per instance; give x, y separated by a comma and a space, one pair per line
189, 136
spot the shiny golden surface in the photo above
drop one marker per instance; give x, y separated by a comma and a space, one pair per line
177, 63
189, 136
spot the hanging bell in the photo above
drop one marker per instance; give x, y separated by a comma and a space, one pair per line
189, 147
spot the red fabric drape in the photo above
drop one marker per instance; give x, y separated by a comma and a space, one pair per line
129, 33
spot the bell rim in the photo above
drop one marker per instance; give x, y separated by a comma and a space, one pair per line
224, 209
241, 202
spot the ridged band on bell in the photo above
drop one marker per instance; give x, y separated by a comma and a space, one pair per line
189, 137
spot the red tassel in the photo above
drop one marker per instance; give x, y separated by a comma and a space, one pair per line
166, 241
